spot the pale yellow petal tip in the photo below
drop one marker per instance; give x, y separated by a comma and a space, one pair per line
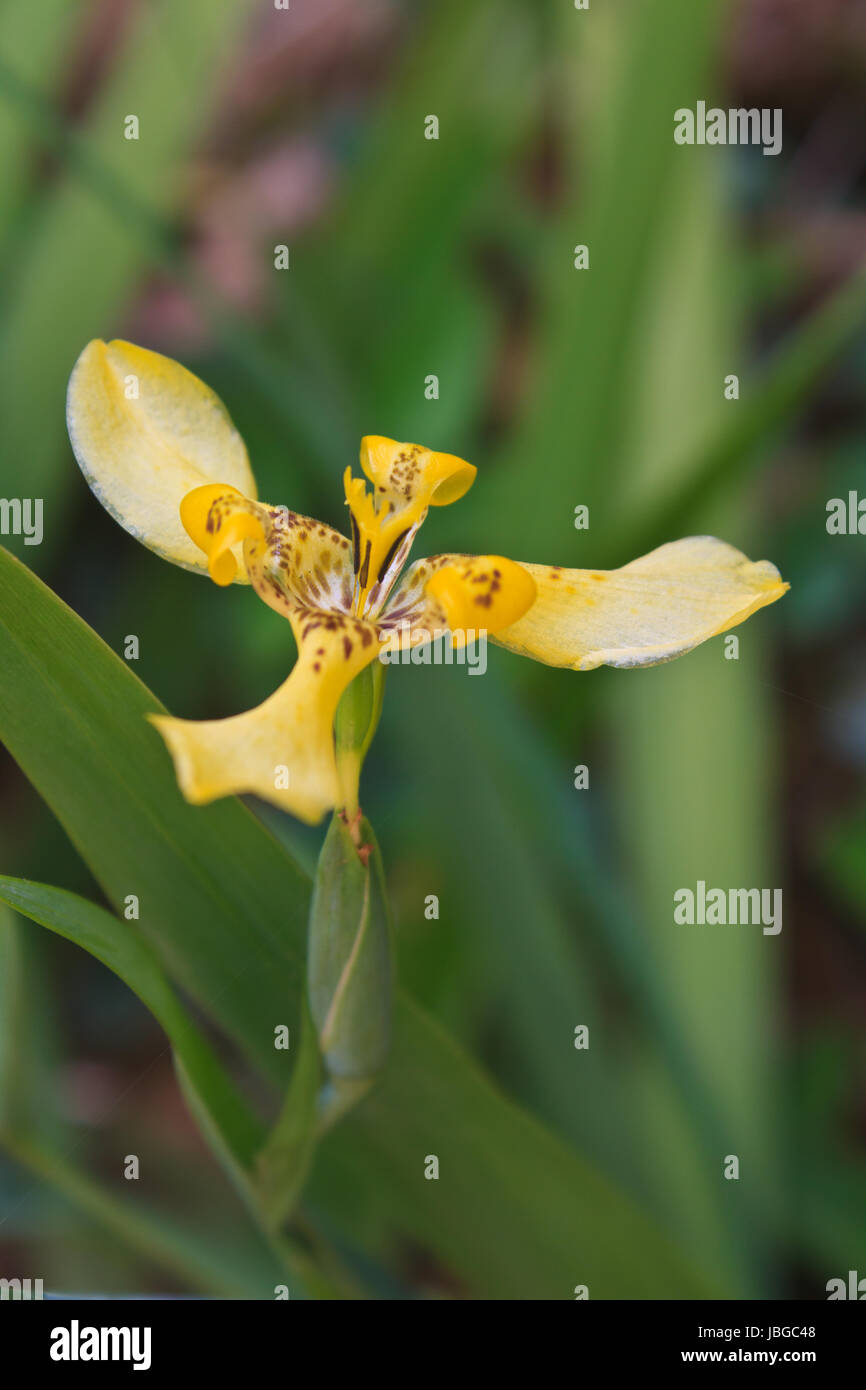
145, 431
766, 584
650, 611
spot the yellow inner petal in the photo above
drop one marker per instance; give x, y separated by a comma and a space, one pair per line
216, 530
376, 535
404, 472
407, 479
484, 592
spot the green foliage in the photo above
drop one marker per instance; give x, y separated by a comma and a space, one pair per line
118, 945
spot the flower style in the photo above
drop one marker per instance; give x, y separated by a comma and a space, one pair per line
158, 449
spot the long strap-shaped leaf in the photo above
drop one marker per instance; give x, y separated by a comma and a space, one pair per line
119, 945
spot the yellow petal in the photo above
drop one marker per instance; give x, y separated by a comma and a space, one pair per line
464, 595
651, 610
283, 750
405, 474
290, 559
482, 593
146, 432
218, 518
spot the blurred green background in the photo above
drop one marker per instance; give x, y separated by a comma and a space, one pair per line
261, 127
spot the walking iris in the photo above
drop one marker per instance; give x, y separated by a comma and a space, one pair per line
161, 454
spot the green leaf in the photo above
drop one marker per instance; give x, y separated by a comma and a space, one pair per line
30, 1052
202, 1264
11, 1009
514, 1212
222, 904
284, 1162
120, 946
493, 851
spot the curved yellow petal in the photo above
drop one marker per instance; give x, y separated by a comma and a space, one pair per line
283, 750
205, 516
146, 432
291, 559
406, 474
463, 595
651, 610
482, 593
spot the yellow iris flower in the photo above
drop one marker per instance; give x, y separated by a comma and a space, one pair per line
162, 456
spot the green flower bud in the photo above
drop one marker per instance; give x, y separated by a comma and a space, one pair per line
349, 956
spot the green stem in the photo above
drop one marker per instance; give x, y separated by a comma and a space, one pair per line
354, 727
337, 1097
